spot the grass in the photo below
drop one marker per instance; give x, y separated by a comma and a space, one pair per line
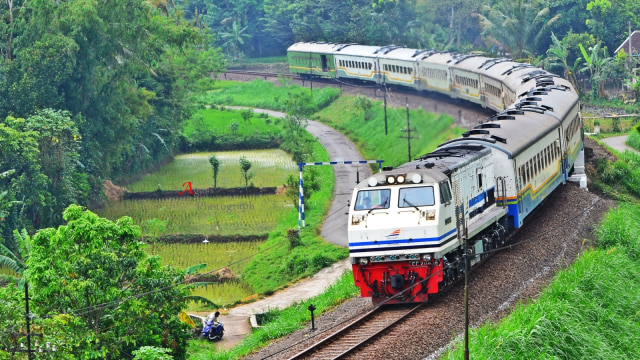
369, 136
282, 322
218, 121
216, 256
620, 179
224, 215
271, 168
634, 140
285, 262
261, 94
589, 311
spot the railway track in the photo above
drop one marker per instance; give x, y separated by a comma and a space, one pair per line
262, 73
357, 333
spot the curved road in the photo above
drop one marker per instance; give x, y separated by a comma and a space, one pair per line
618, 143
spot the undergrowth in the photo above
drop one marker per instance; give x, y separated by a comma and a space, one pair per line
428, 130
589, 311
283, 322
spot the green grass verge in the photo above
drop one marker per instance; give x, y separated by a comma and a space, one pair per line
218, 120
284, 262
223, 215
634, 140
271, 168
589, 311
369, 136
620, 179
282, 322
261, 94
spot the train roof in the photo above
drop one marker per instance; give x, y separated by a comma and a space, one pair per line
314, 47
357, 50
428, 175
397, 53
514, 130
445, 160
440, 58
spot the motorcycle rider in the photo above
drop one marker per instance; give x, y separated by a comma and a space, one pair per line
213, 317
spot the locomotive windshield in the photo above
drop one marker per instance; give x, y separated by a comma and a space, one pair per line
372, 199
416, 196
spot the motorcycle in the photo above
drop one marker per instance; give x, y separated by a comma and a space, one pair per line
212, 330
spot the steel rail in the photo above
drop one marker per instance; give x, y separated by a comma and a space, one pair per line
334, 349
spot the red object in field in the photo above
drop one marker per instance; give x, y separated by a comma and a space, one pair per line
397, 282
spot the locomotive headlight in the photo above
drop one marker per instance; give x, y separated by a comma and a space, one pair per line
364, 261
430, 214
400, 179
426, 257
416, 178
372, 181
391, 179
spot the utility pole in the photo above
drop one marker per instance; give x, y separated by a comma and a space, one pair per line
466, 297
27, 315
407, 131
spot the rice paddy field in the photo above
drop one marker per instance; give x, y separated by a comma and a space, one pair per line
218, 121
271, 168
216, 256
224, 215
260, 94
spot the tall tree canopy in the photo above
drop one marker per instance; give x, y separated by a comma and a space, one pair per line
118, 73
96, 271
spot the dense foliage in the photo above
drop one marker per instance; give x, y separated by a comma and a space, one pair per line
87, 91
267, 27
583, 312
96, 271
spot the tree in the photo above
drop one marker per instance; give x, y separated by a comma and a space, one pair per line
97, 271
246, 114
365, 105
516, 25
16, 259
235, 39
215, 164
245, 166
597, 63
559, 52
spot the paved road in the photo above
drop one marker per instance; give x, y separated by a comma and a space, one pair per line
618, 143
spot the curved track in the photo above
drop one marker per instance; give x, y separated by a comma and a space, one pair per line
357, 333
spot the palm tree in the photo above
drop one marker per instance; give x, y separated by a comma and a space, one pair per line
235, 39
16, 260
597, 63
558, 54
516, 25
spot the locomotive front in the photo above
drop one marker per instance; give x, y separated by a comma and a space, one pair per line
400, 226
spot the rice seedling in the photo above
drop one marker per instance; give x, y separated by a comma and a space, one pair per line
225, 215
271, 168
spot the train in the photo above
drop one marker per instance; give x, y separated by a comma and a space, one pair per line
411, 227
